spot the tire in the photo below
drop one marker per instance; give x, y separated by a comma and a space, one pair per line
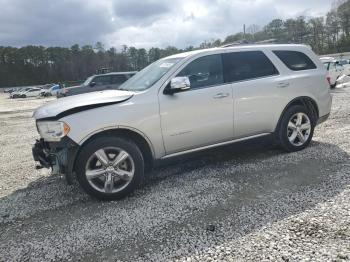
123, 184
287, 131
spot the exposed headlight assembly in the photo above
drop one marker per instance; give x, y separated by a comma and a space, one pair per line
52, 131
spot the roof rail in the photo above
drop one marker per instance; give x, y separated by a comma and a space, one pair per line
245, 42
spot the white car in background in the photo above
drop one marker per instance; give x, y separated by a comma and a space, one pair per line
346, 65
17, 92
335, 70
32, 92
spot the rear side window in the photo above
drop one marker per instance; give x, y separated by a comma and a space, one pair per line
239, 66
102, 80
118, 79
294, 60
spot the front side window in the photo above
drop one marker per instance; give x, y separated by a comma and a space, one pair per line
239, 66
204, 71
343, 62
294, 60
339, 67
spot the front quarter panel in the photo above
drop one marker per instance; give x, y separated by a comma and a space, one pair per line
140, 114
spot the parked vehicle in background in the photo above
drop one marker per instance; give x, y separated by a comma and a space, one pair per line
346, 65
181, 104
31, 92
52, 91
97, 83
8, 90
16, 93
103, 70
334, 70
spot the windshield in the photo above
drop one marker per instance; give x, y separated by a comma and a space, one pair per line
87, 81
149, 75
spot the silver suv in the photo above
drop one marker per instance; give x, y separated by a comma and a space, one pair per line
182, 104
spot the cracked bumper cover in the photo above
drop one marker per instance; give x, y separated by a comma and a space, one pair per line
59, 156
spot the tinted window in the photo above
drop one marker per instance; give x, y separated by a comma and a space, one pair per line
339, 67
102, 80
295, 61
343, 62
204, 71
118, 79
240, 66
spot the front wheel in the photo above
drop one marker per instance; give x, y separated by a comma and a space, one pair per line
110, 168
296, 128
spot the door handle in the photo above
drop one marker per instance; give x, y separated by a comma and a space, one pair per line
282, 85
221, 95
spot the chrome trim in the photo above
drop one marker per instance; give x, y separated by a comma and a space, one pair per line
213, 146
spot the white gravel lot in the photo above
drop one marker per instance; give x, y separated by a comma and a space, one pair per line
246, 202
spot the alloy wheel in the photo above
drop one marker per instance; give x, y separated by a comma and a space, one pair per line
110, 170
299, 129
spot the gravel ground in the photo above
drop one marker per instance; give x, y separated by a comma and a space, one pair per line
245, 202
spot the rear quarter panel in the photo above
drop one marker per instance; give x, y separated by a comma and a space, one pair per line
309, 83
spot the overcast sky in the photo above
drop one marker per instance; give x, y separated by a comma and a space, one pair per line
140, 23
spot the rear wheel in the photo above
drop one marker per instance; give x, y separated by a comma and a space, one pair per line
110, 168
296, 128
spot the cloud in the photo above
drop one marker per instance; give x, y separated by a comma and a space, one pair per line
140, 23
56, 23
136, 9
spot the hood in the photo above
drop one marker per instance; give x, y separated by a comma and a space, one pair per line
73, 104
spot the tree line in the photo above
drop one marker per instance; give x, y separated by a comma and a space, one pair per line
31, 65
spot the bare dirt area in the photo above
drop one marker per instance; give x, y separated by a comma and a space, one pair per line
246, 202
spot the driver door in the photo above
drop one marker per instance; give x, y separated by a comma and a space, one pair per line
201, 115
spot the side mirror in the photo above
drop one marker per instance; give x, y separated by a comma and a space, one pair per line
178, 84
92, 84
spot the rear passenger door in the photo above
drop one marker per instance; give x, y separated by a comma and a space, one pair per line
257, 91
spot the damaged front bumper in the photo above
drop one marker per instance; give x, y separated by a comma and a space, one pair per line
59, 156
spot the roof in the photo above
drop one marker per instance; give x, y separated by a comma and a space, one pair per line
120, 73
238, 47
327, 59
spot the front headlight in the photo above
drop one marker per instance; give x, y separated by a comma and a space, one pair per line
52, 131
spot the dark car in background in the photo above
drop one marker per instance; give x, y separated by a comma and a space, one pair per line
97, 83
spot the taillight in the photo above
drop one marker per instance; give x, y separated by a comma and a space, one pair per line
329, 80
